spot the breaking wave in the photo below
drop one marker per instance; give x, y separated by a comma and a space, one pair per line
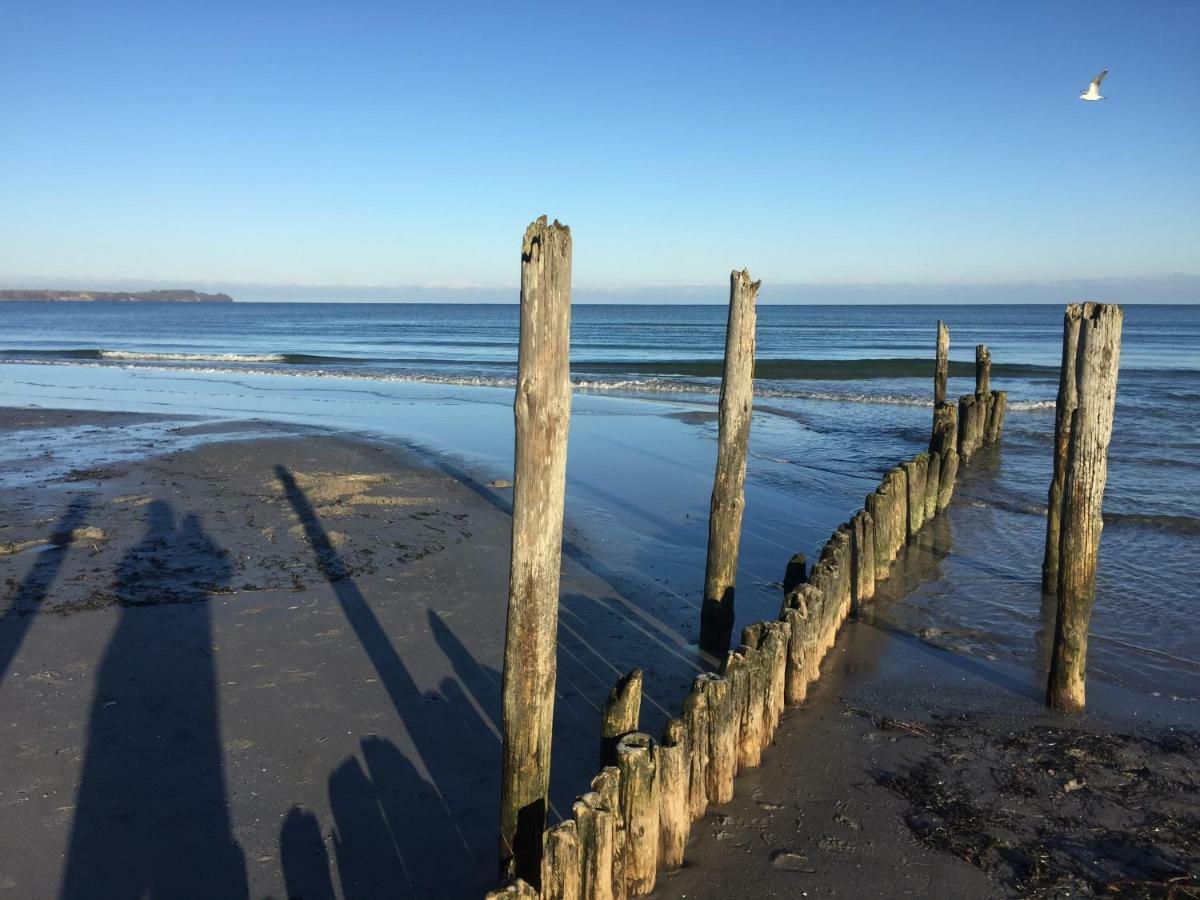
697, 378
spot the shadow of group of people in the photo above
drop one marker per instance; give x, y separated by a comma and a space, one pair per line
152, 815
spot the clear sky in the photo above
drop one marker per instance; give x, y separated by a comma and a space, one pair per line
398, 144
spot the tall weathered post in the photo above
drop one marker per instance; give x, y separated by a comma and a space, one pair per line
983, 370
542, 411
728, 495
1097, 359
941, 371
1064, 409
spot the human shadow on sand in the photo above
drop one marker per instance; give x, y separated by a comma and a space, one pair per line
151, 816
423, 826
32, 591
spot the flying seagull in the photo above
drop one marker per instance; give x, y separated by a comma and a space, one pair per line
1093, 89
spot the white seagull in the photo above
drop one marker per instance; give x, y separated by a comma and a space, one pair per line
1093, 89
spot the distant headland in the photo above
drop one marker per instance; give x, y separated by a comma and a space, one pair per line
117, 296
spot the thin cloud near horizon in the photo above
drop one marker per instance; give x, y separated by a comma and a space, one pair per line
1176, 288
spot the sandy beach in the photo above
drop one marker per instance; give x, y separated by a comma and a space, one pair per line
268, 666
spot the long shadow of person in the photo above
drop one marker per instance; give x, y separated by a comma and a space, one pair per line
32, 591
151, 816
419, 827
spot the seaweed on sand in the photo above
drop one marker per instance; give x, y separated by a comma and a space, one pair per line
1052, 810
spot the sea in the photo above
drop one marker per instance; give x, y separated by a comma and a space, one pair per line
842, 393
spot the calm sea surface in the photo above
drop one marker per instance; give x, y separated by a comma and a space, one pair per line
843, 393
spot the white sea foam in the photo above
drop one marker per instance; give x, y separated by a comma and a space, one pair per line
136, 355
654, 385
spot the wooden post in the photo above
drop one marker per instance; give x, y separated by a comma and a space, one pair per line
695, 717
1064, 410
621, 713
1097, 360
596, 826
899, 525
751, 724
933, 476
813, 601
983, 370
561, 873
722, 737
639, 809
863, 555
674, 821
728, 495
996, 410
736, 672
773, 646
941, 371
607, 785
966, 405
542, 412
878, 504
795, 574
945, 428
946, 478
759, 702
795, 686
915, 469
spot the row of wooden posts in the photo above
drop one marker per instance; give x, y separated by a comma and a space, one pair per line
636, 819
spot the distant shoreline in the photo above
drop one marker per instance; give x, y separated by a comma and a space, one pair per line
177, 296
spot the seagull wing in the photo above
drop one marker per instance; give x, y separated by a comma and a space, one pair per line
1099, 78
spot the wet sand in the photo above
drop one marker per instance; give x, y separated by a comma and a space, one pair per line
915, 770
268, 666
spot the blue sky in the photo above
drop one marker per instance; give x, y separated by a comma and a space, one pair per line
333, 146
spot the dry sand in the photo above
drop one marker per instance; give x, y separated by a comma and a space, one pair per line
269, 668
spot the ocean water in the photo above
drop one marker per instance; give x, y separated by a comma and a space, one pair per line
842, 393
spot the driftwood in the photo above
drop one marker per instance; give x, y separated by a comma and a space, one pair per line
639, 811
674, 820
1064, 411
728, 495
562, 871
542, 411
1097, 361
620, 716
